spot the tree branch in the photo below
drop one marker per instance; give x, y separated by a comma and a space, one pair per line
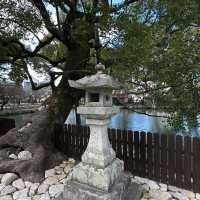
122, 5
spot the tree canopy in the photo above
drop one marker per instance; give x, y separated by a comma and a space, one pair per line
150, 45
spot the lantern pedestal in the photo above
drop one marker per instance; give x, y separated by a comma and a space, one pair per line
100, 178
78, 191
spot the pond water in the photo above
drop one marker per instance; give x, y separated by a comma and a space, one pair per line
127, 120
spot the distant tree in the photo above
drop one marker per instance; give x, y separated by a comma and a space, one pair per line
10, 92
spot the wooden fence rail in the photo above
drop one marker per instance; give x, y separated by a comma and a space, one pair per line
6, 125
169, 159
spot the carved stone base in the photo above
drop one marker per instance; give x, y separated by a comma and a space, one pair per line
121, 190
101, 178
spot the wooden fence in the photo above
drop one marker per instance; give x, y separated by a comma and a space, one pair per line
6, 125
169, 159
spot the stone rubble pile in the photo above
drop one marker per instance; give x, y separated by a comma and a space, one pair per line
159, 191
13, 187
22, 155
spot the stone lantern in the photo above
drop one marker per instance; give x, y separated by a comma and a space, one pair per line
99, 175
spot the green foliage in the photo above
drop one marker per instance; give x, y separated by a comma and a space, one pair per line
153, 46
159, 57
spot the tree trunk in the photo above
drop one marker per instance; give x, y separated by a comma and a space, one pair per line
37, 137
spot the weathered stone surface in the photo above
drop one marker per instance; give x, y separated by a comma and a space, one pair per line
59, 170
155, 194
51, 180
1, 186
33, 189
56, 189
28, 184
13, 156
8, 189
8, 178
25, 198
43, 188
64, 181
71, 160
163, 187
97, 177
21, 194
74, 190
50, 172
19, 184
7, 197
36, 197
1, 175
153, 185
145, 187
179, 196
188, 193
24, 155
197, 195
67, 169
61, 177
172, 188
45, 196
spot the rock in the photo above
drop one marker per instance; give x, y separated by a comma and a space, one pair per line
28, 184
19, 184
71, 160
45, 197
25, 155
188, 193
6, 190
21, 194
59, 170
8, 178
50, 172
64, 181
1, 175
172, 188
7, 197
33, 189
179, 196
138, 179
2, 186
145, 187
61, 177
197, 195
13, 156
56, 189
62, 165
43, 188
67, 169
51, 180
159, 195
163, 187
25, 198
64, 162
36, 197
153, 185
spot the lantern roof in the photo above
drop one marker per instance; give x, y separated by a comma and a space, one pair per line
98, 80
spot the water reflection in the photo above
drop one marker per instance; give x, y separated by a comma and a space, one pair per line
133, 121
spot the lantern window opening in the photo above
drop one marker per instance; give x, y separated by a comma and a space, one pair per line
94, 97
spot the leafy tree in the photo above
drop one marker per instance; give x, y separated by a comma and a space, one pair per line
159, 57
145, 45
